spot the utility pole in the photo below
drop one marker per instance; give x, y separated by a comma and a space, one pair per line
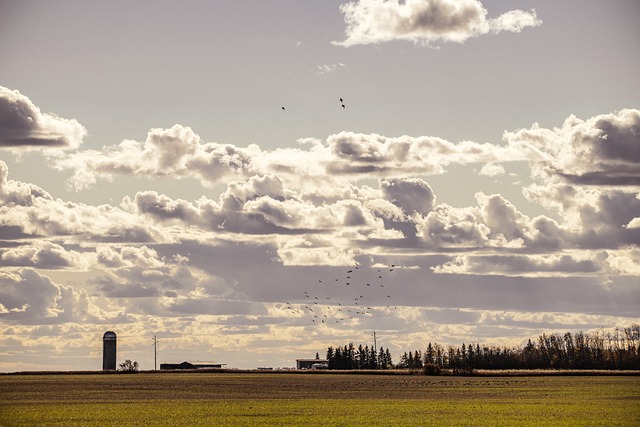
155, 353
375, 349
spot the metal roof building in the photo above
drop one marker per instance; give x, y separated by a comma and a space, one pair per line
312, 363
191, 365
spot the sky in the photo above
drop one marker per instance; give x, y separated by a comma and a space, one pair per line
254, 181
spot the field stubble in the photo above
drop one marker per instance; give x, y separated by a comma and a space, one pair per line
312, 399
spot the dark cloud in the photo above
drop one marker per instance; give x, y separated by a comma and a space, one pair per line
622, 176
442, 18
23, 125
602, 150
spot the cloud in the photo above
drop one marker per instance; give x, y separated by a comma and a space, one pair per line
311, 192
491, 169
381, 156
328, 68
27, 210
571, 264
28, 297
179, 153
45, 254
602, 150
412, 195
494, 223
24, 126
599, 151
128, 256
259, 205
594, 217
425, 21
548, 265
174, 153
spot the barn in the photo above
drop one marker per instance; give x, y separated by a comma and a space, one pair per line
191, 365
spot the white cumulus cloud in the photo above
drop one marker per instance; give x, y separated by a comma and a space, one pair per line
426, 21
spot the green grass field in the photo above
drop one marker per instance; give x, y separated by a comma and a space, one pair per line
211, 399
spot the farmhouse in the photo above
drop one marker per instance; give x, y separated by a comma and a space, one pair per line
312, 363
191, 365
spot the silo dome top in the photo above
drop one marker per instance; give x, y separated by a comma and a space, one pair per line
109, 335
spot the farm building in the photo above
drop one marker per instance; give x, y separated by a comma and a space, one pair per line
191, 365
312, 363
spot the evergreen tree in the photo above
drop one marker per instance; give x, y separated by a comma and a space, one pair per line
382, 363
404, 361
331, 362
339, 364
372, 360
388, 360
429, 356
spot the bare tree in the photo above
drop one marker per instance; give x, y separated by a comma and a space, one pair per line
128, 366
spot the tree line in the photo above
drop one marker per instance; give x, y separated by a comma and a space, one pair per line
349, 357
617, 349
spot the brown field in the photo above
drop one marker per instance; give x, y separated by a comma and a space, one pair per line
317, 398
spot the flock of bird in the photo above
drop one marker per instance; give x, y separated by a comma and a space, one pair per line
342, 299
326, 303
341, 103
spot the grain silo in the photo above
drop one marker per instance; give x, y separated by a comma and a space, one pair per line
109, 351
